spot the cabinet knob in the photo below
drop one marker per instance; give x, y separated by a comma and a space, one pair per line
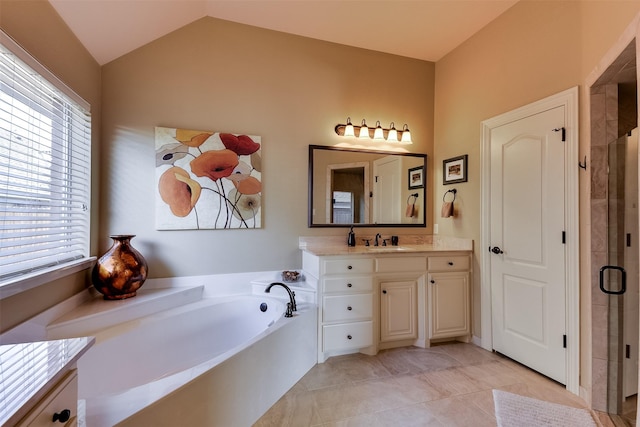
450, 263
349, 267
349, 308
432, 281
62, 416
349, 337
384, 291
349, 285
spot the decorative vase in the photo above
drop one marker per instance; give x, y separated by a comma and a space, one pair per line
121, 271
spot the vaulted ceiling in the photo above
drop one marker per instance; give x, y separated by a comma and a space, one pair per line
422, 29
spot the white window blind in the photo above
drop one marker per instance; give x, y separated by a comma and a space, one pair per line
45, 169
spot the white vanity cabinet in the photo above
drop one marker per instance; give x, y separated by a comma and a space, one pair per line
345, 302
400, 283
60, 403
377, 298
39, 382
448, 297
398, 310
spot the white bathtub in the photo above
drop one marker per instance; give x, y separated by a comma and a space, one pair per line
215, 362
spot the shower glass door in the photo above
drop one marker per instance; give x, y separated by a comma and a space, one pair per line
619, 279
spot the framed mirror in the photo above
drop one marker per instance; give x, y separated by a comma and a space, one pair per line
366, 188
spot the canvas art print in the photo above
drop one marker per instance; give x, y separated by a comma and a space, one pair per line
207, 180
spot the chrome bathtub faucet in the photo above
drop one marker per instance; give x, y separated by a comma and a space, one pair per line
291, 305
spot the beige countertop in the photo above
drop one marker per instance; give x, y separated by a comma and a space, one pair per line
336, 245
29, 370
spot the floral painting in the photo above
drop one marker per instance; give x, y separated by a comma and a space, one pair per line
207, 180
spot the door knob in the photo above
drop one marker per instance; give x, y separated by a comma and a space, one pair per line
496, 250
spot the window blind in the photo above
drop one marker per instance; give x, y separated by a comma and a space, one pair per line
45, 170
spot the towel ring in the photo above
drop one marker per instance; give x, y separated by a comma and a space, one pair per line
414, 200
454, 191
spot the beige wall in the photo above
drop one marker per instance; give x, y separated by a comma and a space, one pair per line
38, 29
222, 76
535, 49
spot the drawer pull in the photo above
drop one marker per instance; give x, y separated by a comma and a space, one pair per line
349, 337
450, 262
350, 267
62, 416
349, 285
349, 308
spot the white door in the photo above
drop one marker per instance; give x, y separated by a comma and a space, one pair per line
387, 189
527, 238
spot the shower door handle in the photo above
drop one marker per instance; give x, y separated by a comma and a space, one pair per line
623, 288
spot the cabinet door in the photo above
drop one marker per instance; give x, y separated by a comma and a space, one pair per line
63, 397
398, 310
449, 305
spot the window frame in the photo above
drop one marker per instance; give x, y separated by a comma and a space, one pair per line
41, 275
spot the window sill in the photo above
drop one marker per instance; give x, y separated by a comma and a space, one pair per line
33, 280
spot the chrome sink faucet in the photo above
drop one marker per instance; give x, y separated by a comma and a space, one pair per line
291, 305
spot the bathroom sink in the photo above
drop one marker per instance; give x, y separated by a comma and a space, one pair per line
387, 249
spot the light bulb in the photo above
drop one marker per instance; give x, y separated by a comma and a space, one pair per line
378, 133
364, 130
393, 133
348, 129
406, 135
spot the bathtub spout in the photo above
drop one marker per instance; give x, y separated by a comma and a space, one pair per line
291, 305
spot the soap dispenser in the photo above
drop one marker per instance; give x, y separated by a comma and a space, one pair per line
351, 239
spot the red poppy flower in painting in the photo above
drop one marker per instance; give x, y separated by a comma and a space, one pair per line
215, 164
179, 191
192, 138
242, 145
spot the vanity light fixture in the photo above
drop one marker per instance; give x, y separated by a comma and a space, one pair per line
379, 133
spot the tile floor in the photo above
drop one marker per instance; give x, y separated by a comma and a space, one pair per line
445, 385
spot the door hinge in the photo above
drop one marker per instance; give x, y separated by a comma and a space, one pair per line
564, 341
564, 237
627, 351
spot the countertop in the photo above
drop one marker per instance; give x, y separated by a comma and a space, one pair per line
332, 245
29, 370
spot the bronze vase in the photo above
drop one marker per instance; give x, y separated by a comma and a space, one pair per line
121, 271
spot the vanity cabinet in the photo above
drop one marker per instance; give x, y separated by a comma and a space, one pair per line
60, 402
448, 297
372, 299
345, 304
398, 310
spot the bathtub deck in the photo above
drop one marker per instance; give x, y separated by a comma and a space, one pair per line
98, 313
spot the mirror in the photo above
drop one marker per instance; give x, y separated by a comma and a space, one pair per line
366, 188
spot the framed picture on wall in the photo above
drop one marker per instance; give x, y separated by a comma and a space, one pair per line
416, 177
454, 170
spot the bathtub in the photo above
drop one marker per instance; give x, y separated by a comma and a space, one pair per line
215, 362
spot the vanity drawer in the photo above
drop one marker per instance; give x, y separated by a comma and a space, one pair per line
348, 284
347, 336
342, 266
401, 264
448, 263
347, 307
